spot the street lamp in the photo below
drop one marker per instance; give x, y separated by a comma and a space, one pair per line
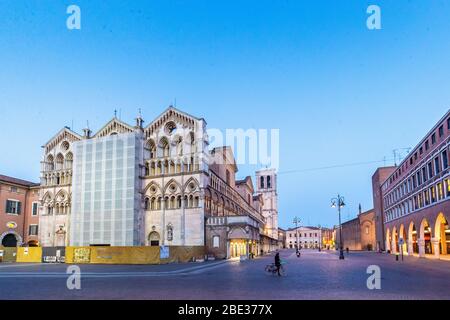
296, 222
339, 203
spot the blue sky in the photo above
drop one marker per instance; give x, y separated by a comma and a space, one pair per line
338, 92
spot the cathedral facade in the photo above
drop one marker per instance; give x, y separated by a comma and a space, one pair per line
155, 185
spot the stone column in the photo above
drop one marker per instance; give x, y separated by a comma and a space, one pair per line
435, 243
393, 246
410, 247
421, 243
228, 254
248, 248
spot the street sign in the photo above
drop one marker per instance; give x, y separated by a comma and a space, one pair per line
401, 241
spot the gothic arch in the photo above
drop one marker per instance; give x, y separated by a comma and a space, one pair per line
186, 185
47, 196
423, 227
170, 182
153, 183
62, 195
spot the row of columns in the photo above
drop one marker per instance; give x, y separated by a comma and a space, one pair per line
421, 245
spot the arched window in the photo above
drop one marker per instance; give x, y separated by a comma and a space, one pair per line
165, 147
196, 202
146, 204
159, 203
69, 160
50, 163
216, 241
151, 148
59, 161
153, 204
166, 203
269, 182
262, 182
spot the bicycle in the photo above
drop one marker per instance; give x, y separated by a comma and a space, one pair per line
272, 268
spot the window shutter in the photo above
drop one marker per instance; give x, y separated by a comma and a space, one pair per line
19, 207
8, 206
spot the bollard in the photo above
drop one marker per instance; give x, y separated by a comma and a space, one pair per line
396, 257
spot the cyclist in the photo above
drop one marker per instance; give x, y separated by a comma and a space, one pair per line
278, 263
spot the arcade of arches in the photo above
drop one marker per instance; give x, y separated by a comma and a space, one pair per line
424, 238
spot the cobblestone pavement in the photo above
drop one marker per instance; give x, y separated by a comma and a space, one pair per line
316, 275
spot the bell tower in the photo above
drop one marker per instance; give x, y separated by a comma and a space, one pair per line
266, 184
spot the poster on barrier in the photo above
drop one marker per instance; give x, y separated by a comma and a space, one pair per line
164, 252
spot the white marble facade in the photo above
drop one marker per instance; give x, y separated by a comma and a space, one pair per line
172, 175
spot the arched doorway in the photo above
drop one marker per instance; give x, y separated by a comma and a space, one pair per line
153, 239
9, 240
412, 236
388, 240
425, 236
402, 235
395, 247
442, 233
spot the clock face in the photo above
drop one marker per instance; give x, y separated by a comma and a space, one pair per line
11, 225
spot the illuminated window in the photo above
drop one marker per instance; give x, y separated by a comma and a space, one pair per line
427, 197
440, 191
433, 194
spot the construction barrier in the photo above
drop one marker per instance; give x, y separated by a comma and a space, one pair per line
8, 254
29, 254
132, 255
53, 254
178, 254
112, 255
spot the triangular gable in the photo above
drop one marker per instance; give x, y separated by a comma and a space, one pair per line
63, 134
248, 181
114, 126
174, 114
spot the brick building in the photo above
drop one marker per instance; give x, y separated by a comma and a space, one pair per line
414, 199
359, 233
19, 202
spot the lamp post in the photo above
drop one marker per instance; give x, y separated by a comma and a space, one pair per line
296, 222
339, 203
